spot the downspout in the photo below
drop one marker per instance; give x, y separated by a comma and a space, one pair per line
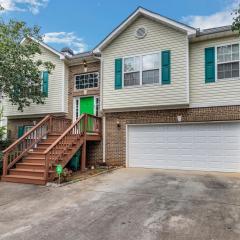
101, 107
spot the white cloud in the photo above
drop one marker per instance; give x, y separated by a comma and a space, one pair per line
23, 5
221, 18
67, 39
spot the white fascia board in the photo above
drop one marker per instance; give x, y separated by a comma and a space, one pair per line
61, 56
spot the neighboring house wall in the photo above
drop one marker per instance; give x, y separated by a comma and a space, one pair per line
55, 102
221, 92
159, 38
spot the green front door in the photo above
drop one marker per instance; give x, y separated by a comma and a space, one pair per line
87, 106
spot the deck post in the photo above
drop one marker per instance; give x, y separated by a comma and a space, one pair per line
84, 146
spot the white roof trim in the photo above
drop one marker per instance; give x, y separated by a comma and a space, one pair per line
141, 11
62, 57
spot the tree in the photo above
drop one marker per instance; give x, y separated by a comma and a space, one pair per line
236, 20
2, 128
20, 72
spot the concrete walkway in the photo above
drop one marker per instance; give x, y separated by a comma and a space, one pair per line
128, 204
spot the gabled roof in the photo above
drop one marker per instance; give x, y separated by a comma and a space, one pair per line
144, 12
62, 56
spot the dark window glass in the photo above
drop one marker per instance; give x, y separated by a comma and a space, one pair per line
88, 80
131, 79
150, 77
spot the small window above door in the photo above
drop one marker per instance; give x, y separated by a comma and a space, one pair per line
87, 80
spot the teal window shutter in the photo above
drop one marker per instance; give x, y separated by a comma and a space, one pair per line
209, 65
20, 131
118, 73
45, 84
166, 67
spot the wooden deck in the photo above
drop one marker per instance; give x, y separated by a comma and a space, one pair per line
33, 157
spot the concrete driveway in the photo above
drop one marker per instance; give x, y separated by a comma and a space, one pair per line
127, 204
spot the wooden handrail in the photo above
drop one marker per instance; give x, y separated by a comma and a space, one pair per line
64, 134
75, 136
16, 151
26, 134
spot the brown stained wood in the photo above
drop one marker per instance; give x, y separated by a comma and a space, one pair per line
62, 142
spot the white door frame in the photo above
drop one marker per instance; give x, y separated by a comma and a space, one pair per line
75, 99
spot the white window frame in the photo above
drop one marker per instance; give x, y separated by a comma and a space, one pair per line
141, 70
87, 73
75, 99
216, 61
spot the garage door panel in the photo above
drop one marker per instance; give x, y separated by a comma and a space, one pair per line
210, 147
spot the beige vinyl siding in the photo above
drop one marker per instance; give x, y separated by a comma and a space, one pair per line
54, 102
65, 88
222, 92
159, 38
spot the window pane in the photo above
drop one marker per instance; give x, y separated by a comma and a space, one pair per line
228, 53
228, 70
235, 56
235, 48
88, 80
220, 50
150, 62
131, 64
220, 75
235, 69
131, 79
227, 57
220, 58
227, 49
150, 77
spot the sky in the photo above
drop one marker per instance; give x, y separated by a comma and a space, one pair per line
82, 24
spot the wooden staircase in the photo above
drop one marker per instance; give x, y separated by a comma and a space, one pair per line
33, 157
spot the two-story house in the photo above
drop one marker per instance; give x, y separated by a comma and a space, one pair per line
170, 95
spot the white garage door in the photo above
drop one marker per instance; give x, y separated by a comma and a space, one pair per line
208, 147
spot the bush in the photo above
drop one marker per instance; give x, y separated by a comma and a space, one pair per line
4, 144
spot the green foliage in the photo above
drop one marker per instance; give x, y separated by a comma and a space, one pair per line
20, 75
2, 128
236, 20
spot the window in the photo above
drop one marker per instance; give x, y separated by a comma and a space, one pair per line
150, 69
132, 71
77, 108
97, 106
87, 80
141, 70
141, 32
228, 61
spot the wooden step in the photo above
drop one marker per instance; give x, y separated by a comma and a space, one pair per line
27, 172
24, 179
40, 149
35, 166
36, 154
33, 160
54, 134
42, 157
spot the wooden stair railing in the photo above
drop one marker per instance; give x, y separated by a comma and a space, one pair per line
20, 148
63, 149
